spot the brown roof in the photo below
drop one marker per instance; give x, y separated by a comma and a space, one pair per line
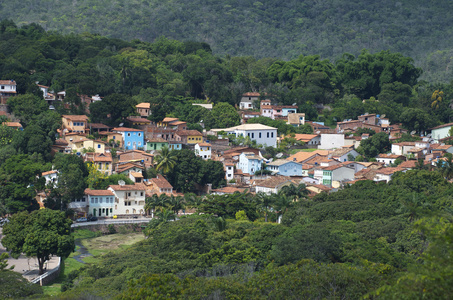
178, 123
410, 164
137, 174
125, 129
8, 82
143, 105
161, 182
76, 117
305, 137
138, 119
99, 192
12, 124
340, 152
101, 157
188, 132
388, 171
320, 186
49, 172
442, 126
157, 140
131, 187
251, 94
61, 142
127, 166
274, 181
405, 144
302, 155
166, 120
229, 190
97, 125
390, 156
204, 145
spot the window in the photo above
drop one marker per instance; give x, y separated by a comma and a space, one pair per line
141, 193
259, 135
99, 146
128, 134
139, 134
95, 200
128, 143
272, 134
268, 134
139, 143
129, 194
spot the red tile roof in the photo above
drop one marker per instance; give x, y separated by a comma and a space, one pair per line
98, 192
131, 187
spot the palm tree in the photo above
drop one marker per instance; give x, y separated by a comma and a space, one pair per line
295, 192
151, 203
192, 200
282, 203
176, 203
264, 202
166, 215
436, 99
166, 160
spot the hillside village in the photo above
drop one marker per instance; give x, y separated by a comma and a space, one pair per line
323, 161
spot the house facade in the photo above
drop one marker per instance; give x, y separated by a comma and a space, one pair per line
101, 202
203, 150
143, 109
156, 144
75, 123
247, 100
132, 138
285, 167
129, 199
440, 132
249, 162
7, 89
262, 134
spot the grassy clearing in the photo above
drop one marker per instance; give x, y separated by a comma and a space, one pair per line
294, 151
97, 245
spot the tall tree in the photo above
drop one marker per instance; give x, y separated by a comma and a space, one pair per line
41, 233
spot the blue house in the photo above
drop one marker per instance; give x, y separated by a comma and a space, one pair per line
132, 138
174, 145
285, 167
249, 162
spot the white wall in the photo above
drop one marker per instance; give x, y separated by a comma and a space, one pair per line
331, 141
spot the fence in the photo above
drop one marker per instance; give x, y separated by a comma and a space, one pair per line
48, 276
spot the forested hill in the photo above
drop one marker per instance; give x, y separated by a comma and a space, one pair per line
270, 28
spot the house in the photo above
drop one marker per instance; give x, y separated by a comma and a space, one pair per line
127, 167
160, 185
247, 115
413, 164
138, 156
172, 123
402, 148
344, 154
334, 176
229, 170
102, 161
156, 144
98, 127
440, 132
203, 150
80, 205
14, 125
273, 184
101, 203
303, 156
249, 162
132, 138
262, 134
129, 199
331, 141
75, 123
308, 139
61, 146
136, 177
48, 96
189, 136
296, 119
285, 167
247, 100
385, 174
137, 121
318, 188
51, 177
175, 145
7, 89
79, 145
115, 137
143, 109
228, 190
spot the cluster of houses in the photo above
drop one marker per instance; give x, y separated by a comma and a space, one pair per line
130, 150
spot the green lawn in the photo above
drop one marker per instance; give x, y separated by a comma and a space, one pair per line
97, 245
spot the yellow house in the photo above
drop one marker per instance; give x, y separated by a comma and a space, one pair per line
98, 146
117, 137
75, 123
102, 161
143, 109
189, 136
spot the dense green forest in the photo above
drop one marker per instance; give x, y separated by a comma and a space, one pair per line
420, 29
375, 239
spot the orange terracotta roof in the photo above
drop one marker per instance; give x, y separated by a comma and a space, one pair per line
161, 182
125, 129
99, 192
131, 187
143, 105
49, 172
204, 145
229, 190
251, 94
76, 117
8, 82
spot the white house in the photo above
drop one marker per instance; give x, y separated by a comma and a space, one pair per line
247, 100
385, 174
285, 167
129, 199
203, 150
262, 134
331, 141
7, 87
229, 171
273, 184
51, 177
389, 159
402, 148
440, 132
101, 202
343, 154
308, 139
249, 162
